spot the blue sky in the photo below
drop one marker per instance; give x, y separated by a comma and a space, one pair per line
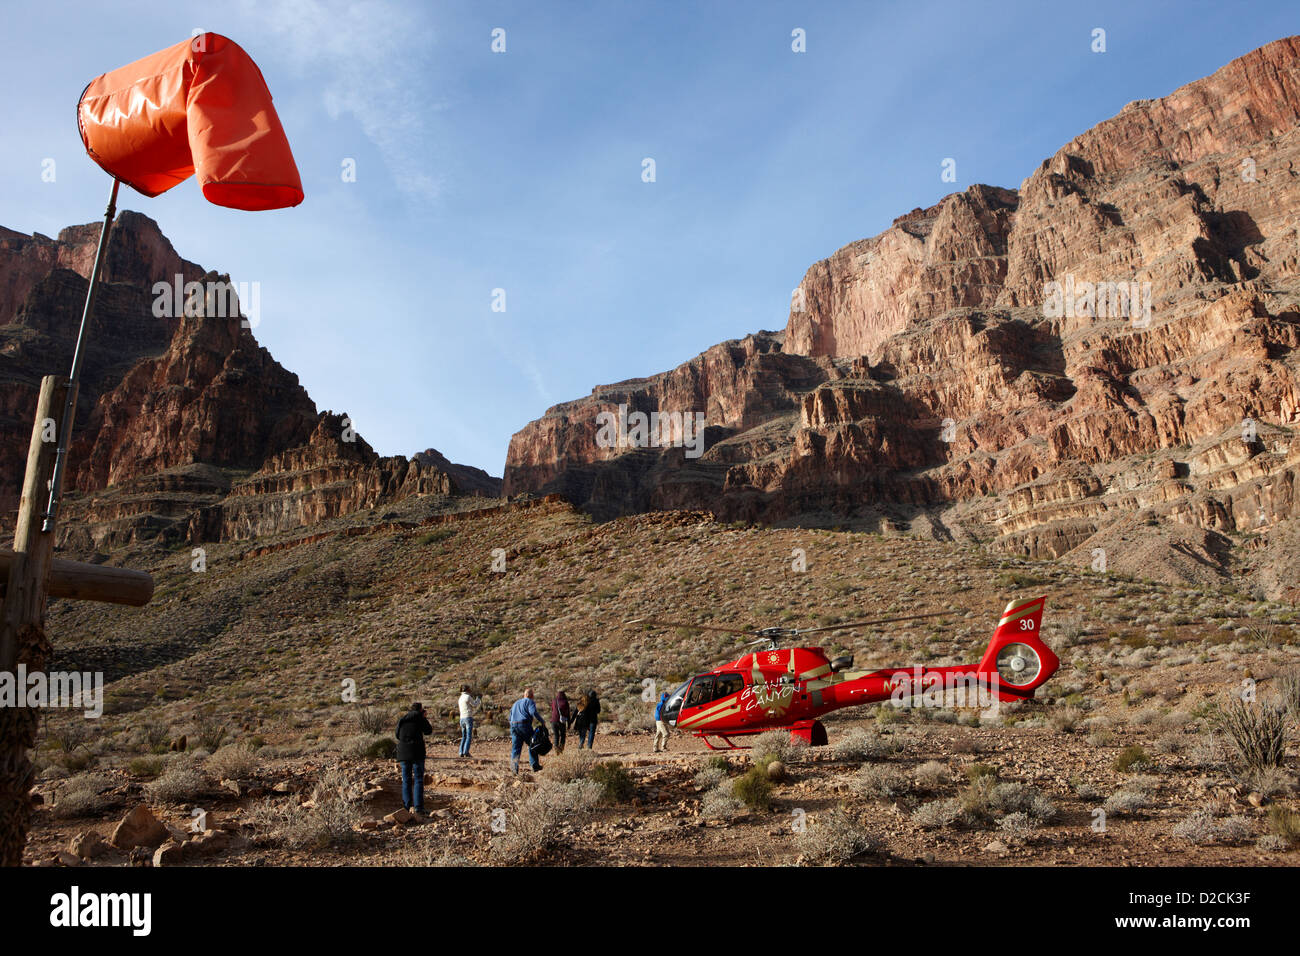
522, 170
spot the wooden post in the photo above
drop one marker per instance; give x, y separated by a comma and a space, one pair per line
22, 627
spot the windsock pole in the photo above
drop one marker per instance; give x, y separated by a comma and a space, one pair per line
78, 355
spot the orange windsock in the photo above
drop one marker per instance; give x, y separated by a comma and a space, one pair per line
199, 107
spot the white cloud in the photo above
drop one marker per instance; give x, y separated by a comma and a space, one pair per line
366, 58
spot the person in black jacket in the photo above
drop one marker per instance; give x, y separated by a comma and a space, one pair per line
411, 731
592, 713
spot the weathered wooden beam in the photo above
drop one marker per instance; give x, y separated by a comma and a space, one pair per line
88, 582
24, 603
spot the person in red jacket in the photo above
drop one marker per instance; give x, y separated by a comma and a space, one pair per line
559, 720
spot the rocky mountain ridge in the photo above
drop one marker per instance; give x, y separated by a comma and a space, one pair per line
187, 429
1100, 365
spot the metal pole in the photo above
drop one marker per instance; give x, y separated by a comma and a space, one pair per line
78, 354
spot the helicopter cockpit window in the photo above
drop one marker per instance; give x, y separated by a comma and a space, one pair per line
701, 691
728, 684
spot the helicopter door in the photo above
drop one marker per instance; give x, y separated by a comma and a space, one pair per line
701, 691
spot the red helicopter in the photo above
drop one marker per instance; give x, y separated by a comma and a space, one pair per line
791, 687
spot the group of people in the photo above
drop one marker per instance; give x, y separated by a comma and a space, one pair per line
414, 726
581, 718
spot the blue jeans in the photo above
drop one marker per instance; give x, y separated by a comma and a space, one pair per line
588, 734
466, 734
413, 784
520, 736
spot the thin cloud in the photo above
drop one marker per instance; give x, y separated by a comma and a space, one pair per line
364, 59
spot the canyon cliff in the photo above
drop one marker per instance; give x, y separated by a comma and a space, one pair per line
187, 430
1099, 366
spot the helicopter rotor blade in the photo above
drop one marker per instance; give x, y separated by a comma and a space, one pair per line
697, 627
880, 620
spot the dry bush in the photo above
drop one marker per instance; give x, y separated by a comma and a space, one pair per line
573, 764
720, 803
1284, 824
1018, 827
777, 745
880, 780
710, 777
862, 744
1020, 798
178, 784
373, 721
1128, 799
1203, 828
533, 825
939, 813
833, 838
1288, 691
1256, 731
82, 796
931, 775
233, 762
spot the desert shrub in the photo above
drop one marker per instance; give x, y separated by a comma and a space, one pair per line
1203, 828
880, 780
1270, 782
1256, 731
328, 818
1272, 843
1284, 823
832, 838
1128, 799
372, 720
1131, 758
83, 796
776, 745
720, 762
232, 762
535, 824
720, 803
156, 736
938, 813
1020, 798
615, 781
210, 732
375, 746
1171, 743
1018, 826
68, 735
1288, 691
753, 788
178, 784
573, 764
931, 775
709, 777
148, 767
862, 744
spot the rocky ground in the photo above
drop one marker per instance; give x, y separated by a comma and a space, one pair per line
286, 664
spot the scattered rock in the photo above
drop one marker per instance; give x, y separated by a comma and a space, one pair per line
67, 859
88, 845
139, 828
170, 853
997, 848
400, 816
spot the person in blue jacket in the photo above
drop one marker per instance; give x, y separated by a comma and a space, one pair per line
522, 714
661, 726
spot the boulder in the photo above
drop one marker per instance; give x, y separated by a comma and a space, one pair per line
139, 828
88, 845
170, 853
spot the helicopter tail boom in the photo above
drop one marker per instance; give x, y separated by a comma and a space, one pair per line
1017, 661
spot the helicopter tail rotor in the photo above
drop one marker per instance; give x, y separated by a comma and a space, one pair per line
1017, 661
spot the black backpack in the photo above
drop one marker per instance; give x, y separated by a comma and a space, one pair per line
540, 745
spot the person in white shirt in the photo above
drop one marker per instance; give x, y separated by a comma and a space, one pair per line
468, 706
